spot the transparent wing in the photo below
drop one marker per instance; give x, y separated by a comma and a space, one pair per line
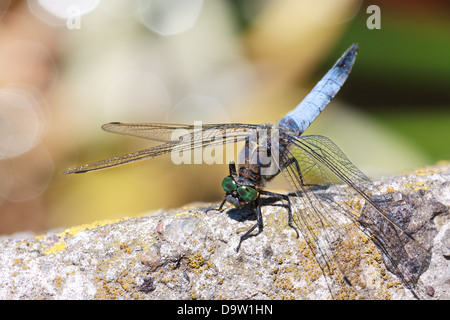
165, 132
178, 137
321, 220
328, 216
327, 154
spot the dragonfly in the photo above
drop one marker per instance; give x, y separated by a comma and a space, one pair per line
306, 161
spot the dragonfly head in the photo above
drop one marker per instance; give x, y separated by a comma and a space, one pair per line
238, 194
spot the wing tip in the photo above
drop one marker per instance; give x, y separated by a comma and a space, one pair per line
106, 126
75, 170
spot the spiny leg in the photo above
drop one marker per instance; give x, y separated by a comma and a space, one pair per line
218, 209
221, 205
286, 198
259, 224
297, 166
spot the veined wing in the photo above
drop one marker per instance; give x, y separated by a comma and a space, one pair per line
322, 221
325, 218
187, 137
165, 132
326, 153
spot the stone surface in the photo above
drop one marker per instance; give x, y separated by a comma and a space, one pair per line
189, 253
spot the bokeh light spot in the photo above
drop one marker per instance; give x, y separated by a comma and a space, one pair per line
169, 17
21, 122
56, 12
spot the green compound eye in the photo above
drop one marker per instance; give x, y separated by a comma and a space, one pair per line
228, 184
247, 193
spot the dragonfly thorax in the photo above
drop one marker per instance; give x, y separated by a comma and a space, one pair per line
262, 157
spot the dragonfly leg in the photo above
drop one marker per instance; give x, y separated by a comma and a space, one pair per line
232, 168
220, 207
259, 224
286, 198
297, 167
247, 150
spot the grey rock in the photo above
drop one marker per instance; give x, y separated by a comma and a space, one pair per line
190, 254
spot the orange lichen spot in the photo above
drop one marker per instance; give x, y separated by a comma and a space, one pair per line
195, 261
124, 246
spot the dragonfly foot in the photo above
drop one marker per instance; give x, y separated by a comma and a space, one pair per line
248, 234
220, 209
214, 209
295, 229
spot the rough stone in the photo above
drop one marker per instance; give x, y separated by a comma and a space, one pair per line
189, 253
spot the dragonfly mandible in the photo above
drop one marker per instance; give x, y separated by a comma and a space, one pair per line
304, 160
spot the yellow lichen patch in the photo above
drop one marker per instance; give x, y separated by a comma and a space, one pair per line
194, 206
355, 207
60, 246
39, 237
425, 171
58, 281
181, 214
88, 226
419, 185
20, 263
123, 287
195, 261
354, 204
125, 247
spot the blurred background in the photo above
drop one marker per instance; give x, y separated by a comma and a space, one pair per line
67, 67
